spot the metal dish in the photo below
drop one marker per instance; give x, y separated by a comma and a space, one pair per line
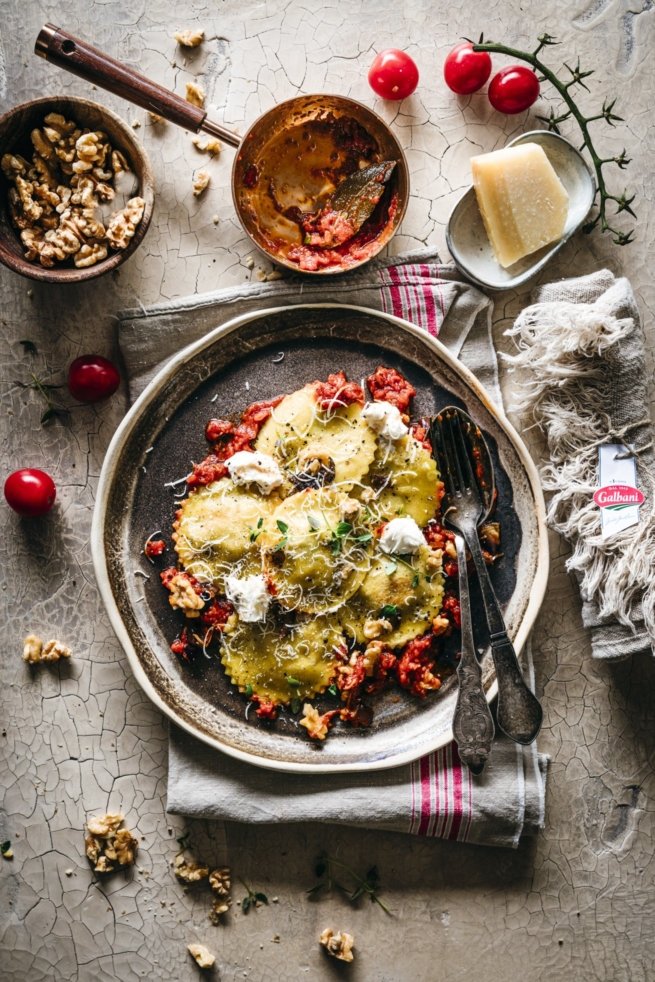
262, 141
467, 238
162, 433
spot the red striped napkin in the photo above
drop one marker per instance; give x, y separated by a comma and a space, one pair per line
435, 796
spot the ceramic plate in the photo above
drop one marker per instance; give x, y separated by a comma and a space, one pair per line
219, 376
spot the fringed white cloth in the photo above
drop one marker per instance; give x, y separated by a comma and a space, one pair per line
581, 376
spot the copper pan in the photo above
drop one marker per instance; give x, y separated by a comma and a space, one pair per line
80, 58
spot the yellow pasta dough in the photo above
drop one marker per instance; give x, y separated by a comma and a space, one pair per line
214, 529
257, 655
298, 431
315, 549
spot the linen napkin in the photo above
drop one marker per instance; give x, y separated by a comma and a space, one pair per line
583, 378
436, 796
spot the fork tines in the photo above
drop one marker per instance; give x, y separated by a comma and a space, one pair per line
453, 451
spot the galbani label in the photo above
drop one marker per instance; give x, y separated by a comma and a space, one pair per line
618, 496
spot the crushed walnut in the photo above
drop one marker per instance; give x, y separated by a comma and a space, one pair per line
123, 223
220, 881
207, 144
440, 625
156, 119
218, 908
184, 597
317, 726
202, 955
195, 94
201, 179
109, 847
35, 651
189, 38
339, 945
189, 872
374, 627
54, 198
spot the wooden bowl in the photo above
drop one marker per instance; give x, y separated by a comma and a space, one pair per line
15, 129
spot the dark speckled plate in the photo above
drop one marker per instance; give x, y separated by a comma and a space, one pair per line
163, 432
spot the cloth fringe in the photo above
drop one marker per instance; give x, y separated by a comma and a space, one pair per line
565, 354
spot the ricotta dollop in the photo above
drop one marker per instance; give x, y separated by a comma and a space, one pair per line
249, 595
401, 536
248, 467
385, 420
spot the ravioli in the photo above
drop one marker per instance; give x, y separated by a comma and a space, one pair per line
314, 545
260, 656
215, 529
413, 588
297, 430
406, 477
315, 550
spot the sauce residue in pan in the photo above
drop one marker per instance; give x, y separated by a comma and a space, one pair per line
294, 177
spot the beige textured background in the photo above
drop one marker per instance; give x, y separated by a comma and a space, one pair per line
575, 904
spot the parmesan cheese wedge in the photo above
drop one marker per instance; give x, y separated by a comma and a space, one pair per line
522, 201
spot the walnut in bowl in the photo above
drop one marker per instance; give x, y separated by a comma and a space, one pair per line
76, 190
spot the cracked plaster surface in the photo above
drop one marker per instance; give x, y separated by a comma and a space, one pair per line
79, 738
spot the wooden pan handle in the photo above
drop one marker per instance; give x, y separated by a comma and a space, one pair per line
76, 56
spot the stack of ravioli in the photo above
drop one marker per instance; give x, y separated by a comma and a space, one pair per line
315, 541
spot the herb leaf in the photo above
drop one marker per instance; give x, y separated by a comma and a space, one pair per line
389, 610
283, 527
359, 885
5, 847
292, 681
252, 898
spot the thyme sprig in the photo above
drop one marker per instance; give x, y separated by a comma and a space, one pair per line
253, 898
360, 886
565, 87
45, 389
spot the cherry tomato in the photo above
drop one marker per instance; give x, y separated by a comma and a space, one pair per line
466, 70
513, 89
92, 378
30, 492
393, 74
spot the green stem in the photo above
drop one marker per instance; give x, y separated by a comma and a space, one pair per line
581, 120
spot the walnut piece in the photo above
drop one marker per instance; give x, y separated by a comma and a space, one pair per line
315, 724
184, 597
338, 945
440, 625
195, 94
207, 144
122, 224
187, 871
107, 846
35, 651
220, 881
53, 198
201, 180
218, 908
189, 38
202, 955
374, 627
89, 255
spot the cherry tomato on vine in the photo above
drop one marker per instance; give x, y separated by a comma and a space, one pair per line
30, 492
513, 89
393, 74
92, 378
466, 70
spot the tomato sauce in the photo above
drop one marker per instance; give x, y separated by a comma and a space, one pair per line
388, 385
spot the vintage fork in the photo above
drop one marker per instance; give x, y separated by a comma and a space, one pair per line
519, 713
